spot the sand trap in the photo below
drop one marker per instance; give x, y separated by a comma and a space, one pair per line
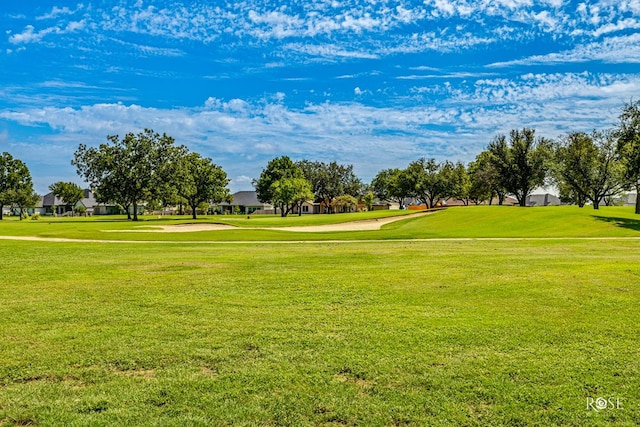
365, 225
178, 228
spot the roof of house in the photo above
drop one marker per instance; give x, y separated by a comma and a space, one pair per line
88, 200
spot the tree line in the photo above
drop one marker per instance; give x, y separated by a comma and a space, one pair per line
148, 167
586, 167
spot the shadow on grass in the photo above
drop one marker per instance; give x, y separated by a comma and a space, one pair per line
631, 224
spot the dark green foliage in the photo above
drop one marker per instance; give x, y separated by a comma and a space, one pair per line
282, 183
200, 180
331, 180
129, 170
522, 163
586, 167
428, 180
628, 132
16, 186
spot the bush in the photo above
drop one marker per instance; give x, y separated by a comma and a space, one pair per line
35, 216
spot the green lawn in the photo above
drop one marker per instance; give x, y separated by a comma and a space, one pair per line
377, 333
458, 222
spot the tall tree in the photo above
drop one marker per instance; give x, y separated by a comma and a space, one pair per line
129, 170
521, 163
69, 192
628, 133
202, 181
15, 181
586, 167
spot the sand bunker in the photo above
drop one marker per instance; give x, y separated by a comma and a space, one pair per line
365, 225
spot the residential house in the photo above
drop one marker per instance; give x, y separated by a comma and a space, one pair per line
244, 202
50, 204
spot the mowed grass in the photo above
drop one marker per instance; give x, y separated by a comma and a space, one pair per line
457, 222
453, 332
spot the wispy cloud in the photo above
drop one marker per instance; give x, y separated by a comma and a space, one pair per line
613, 50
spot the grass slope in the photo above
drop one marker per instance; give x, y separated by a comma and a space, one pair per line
380, 333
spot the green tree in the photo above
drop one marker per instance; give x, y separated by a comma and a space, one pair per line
129, 170
23, 198
586, 167
69, 192
368, 199
390, 185
291, 192
274, 186
344, 203
459, 182
484, 182
330, 180
628, 133
425, 181
201, 181
522, 163
15, 181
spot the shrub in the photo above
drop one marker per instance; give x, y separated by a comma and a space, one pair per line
35, 216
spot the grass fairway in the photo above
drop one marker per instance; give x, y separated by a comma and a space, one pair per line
372, 333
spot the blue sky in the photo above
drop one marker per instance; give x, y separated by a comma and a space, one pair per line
376, 84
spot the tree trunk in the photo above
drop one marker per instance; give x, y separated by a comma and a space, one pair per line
135, 211
638, 198
1, 209
193, 211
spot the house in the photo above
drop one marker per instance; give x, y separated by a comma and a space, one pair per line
245, 202
50, 204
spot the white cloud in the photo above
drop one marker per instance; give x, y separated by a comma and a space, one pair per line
29, 35
614, 50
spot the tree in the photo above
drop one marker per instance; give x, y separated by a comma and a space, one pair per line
521, 164
330, 180
484, 182
586, 167
290, 193
368, 199
459, 182
628, 133
201, 181
274, 185
344, 203
129, 170
390, 185
68, 192
15, 181
424, 180
24, 198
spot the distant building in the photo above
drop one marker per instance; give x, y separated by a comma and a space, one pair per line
543, 200
245, 202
